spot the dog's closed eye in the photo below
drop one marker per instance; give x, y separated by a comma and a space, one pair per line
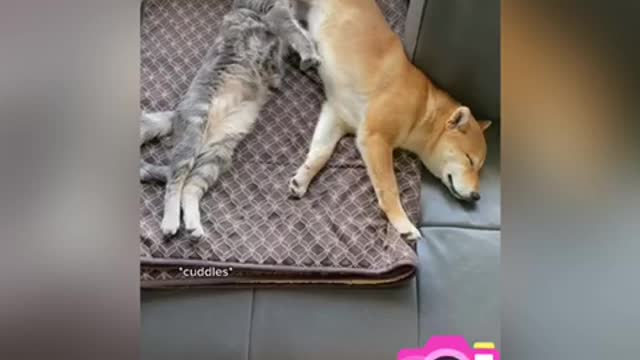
470, 160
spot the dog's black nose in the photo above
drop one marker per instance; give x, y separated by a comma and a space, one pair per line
475, 196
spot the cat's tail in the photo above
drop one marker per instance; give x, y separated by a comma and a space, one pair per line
156, 124
154, 173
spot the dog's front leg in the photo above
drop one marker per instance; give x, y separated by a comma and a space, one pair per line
328, 132
377, 154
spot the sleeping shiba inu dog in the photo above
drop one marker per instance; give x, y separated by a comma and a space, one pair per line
376, 93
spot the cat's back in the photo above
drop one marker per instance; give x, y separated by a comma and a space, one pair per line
240, 21
246, 51
243, 53
245, 35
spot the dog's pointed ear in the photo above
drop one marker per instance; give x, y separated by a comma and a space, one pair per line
460, 119
484, 124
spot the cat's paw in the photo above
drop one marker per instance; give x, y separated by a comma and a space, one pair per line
170, 225
196, 232
193, 226
309, 62
275, 83
296, 189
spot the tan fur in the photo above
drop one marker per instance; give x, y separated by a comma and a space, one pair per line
374, 91
233, 110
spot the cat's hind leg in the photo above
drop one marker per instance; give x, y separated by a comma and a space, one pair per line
183, 159
214, 159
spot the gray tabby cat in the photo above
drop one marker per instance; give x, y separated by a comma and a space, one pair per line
222, 104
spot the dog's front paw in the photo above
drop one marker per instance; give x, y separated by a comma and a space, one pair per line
170, 226
412, 234
296, 189
309, 62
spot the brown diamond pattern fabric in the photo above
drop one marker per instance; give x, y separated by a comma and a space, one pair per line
256, 234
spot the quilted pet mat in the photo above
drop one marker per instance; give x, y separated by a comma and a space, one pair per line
256, 234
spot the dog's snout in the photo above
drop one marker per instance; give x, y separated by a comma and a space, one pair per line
475, 196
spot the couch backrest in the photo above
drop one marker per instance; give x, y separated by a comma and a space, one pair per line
457, 43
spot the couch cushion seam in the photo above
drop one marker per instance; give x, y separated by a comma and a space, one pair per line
461, 227
250, 335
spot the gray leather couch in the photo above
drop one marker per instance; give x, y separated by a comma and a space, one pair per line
456, 290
